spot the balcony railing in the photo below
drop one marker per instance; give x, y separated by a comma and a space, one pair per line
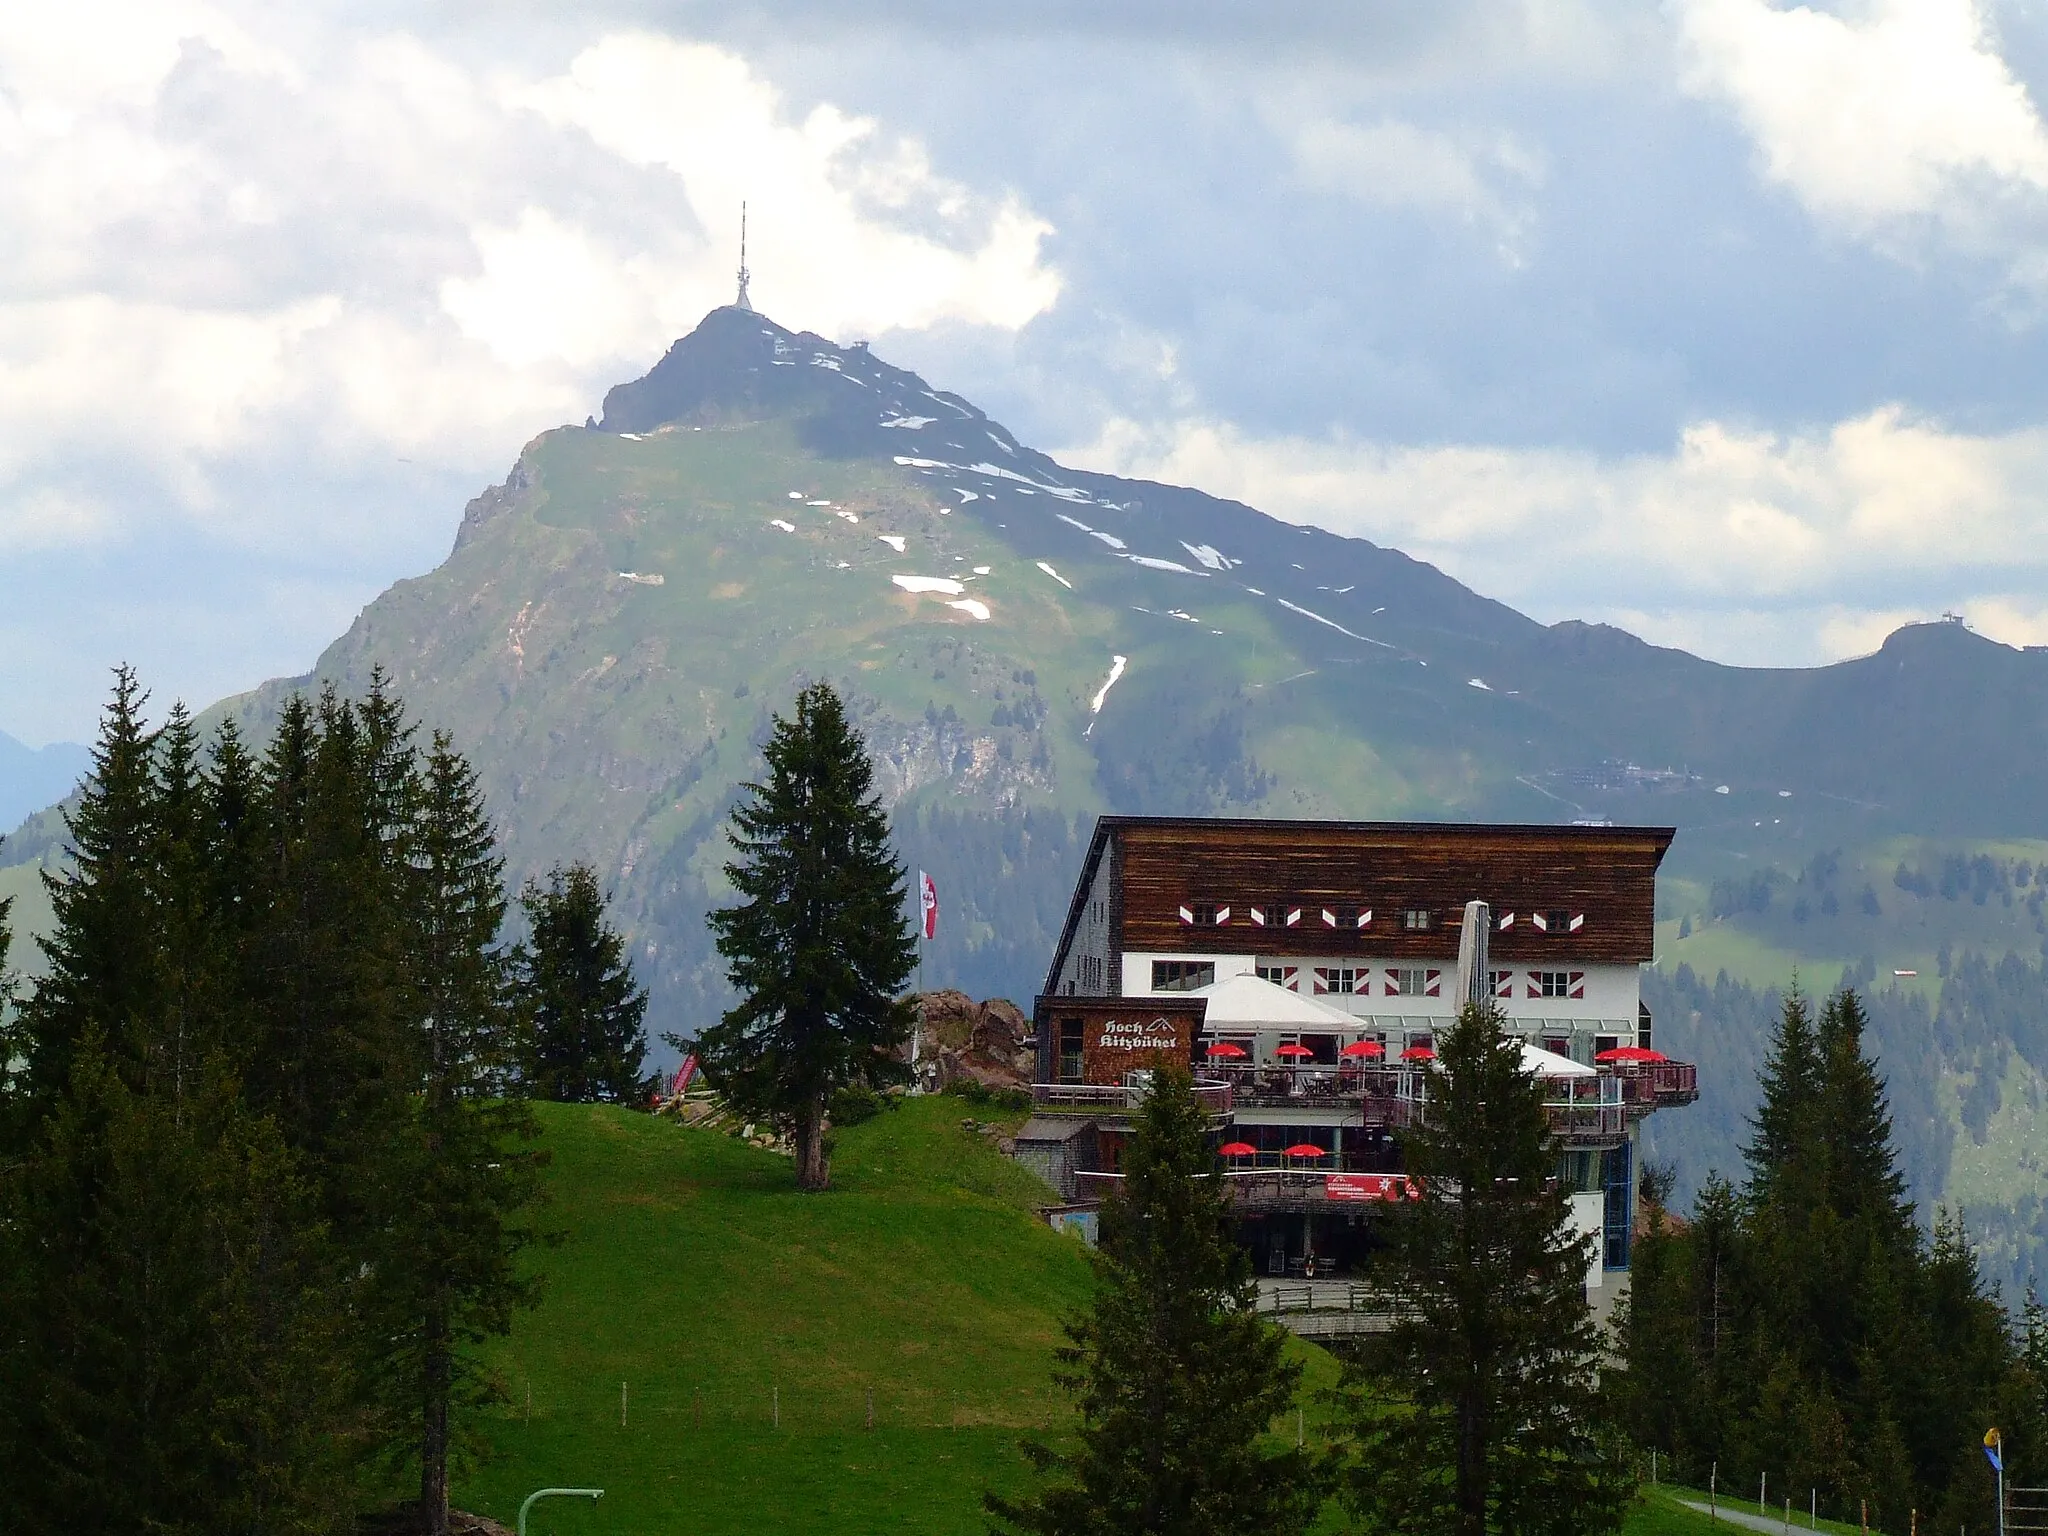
1120, 1098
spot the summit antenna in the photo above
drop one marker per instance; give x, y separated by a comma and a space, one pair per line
743, 302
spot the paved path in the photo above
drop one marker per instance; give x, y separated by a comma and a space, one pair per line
1745, 1520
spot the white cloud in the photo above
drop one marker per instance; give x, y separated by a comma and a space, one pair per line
1747, 546
1903, 108
244, 247
830, 199
1396, 164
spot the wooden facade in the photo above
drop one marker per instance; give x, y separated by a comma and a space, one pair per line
1097, 1040
1204, 885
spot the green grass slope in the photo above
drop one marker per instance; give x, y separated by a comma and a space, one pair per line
692, 1272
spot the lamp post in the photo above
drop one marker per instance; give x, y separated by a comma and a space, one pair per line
555, 1493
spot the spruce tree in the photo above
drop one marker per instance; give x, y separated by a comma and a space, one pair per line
101, 974
452, 1276
1481, 1409
1176, 1376
819, 946
1791, 1088
583, 1011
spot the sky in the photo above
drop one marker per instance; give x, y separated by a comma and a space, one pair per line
1720, 320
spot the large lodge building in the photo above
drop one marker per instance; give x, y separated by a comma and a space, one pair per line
1301, 971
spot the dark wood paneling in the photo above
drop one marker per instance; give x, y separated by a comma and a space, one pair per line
1608, 874
1122, 1035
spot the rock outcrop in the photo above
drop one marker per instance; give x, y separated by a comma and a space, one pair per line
987, 1042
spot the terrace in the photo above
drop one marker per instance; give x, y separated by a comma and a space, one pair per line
1595, 1106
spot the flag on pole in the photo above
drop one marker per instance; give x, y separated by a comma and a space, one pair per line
928, 904
1993, 1447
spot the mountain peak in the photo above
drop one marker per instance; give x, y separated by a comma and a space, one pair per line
738, 366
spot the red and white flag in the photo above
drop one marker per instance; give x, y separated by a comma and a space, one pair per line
928, 904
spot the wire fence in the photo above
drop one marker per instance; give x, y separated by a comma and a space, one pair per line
790, 1402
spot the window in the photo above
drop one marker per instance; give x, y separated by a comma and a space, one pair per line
1416, 919
1603, 1043
1339, 978
1643, 1024
1279, 975
1340, 917
1553, 983
1070, 1051
1558, 1045
1182, 975
1205, 914
1409, 982
1502, 983
1557, 922
1091, 972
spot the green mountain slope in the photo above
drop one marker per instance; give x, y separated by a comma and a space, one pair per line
1028, 645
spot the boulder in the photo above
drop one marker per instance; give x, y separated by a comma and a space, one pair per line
983, 1042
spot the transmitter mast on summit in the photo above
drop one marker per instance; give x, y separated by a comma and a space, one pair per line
742, 302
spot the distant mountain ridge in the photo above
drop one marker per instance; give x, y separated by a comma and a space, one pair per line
33, 777
1027, 645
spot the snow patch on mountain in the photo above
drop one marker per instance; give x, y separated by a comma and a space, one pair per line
1055, 575
1116, 670
1310, 613
942, 584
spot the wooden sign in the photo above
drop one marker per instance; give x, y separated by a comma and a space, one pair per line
1132, 1038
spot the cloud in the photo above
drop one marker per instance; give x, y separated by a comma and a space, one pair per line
1904, 109
1744, 545
1395, 164
254, 247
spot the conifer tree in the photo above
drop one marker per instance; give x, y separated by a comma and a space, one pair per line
323, 968
452, 1275
583, 1010
1481, 1410
100, 973
819, 946
1176, 1376
1790, 1082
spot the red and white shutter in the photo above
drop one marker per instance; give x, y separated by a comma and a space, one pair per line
1322, 981
1329, 918
1578, 984
1507, 920
1257, 915
1542, 923
1505, 987
1294, 917
1432, 984
1187, 915
1289, 976
1223, 917
1535, 987
1365, 918
1578, 921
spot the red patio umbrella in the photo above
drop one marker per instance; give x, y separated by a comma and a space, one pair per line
1418, 1053
1306, 1149
1237, 1149
1632, 1053
1363, 1048
1291, 1049
1224, 1048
